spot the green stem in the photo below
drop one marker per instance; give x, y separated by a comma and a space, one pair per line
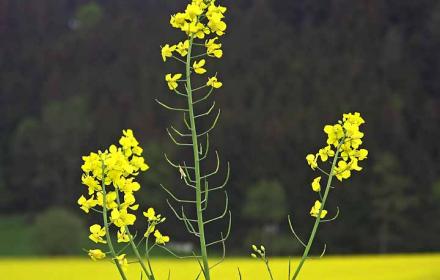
133, 246
268, 268
147, 252
138, 256
318, 218
106, 226
196, 164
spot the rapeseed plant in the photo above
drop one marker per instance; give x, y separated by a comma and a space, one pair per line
110, 178
343, 145
202, 23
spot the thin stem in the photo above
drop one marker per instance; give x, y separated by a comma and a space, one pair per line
106, 226
178, 59
133, 246
266, 261
196, 164
199, 55
138, 256
318, 218
147, 253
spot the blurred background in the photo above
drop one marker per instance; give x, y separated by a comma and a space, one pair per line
74, 73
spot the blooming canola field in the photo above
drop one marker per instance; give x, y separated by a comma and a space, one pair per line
395, 267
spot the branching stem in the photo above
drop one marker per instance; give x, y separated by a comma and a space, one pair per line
318, 218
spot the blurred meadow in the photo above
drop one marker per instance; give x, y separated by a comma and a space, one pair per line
396, 267
74, 73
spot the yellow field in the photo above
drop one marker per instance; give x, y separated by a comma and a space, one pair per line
396, 267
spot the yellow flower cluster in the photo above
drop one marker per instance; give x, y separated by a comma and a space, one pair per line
109, 177
201, 18
153, 221
116, 166
345, 138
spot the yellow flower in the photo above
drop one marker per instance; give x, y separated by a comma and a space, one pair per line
315, 210
334, 133
354, 165
151, 215
128, 140
167, 51
182, 48
172, 80
215, 10
161, 239
342, 171
311, 160
92, 164
122, 236
97, 232
216, 24
355, 118
122, 260
129, 200
178, 20
195, 28
86, 204
139, 163
122, 218
200, 3
193, 11
325, 153
90, 182
137, 150
96, 254
213, 49
213, 82
127, 185
110, 200
362, 154
198, 66
316, 186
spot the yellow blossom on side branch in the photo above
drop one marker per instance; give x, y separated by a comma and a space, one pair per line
96, 254
167, 51
315, 210
172, 80
316, 186
96, 234
213, 82
161, 239
198, 66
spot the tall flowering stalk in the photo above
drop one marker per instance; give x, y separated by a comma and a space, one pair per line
110, 178
202, 24
343, 146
